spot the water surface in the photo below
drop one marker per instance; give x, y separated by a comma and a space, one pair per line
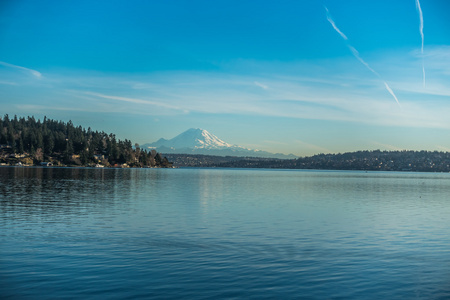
223, 233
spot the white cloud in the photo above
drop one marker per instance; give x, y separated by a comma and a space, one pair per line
136, 101
31, 108
7, 82
386, 146
345, 98
311, 147
443, 148
263, 86
332, 90
31, 71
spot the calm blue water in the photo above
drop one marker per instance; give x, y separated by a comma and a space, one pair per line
223, 233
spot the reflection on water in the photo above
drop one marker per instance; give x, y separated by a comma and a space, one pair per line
49, 192
223, 233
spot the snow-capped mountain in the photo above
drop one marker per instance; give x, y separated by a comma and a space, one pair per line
194, 138
200, 141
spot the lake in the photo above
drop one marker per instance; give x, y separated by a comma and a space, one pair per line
79, 233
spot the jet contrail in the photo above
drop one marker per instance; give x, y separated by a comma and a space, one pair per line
330, 19
357, 56
391, 92
419, 9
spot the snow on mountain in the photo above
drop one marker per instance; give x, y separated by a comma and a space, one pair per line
200, 141
194, 138
197, 138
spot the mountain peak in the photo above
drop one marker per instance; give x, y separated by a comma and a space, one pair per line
200, 141
195, 129
197, 138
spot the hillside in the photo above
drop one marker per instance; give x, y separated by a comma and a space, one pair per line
415, 161
33, 142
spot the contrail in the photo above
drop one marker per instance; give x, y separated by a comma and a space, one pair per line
419, 9
357, 56
391, 92
330, 19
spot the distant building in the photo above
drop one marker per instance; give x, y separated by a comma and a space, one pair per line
99, 157
46, 164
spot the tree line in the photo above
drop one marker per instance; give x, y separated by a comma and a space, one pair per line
376, 160
34, 141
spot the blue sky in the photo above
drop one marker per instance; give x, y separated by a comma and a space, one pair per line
301, 77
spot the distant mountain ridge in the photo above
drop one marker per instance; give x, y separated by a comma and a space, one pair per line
200, 141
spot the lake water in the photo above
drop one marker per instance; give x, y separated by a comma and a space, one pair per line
223, 233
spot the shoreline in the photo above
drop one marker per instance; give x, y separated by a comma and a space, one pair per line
225, 168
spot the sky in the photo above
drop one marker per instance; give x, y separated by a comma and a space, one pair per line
301, 77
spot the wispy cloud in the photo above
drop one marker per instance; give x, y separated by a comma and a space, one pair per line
357, 56
31, 71
136, 101
419, 10
48, 108
442, 148
7, 82
296, 91
312, 147
386, 146
263, 86
289, 96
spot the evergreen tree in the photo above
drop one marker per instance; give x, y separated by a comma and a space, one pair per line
62, 141
11, 138
3, 137
49, 144
20, 147
84, 157
158, 159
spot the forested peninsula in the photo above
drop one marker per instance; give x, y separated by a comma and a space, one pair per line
27, 141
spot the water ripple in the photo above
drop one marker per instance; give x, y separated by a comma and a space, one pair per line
204, 234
